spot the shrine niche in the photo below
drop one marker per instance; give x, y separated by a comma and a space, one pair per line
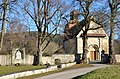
18, 56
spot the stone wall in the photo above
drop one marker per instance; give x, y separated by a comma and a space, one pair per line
29, 59
3, 60
7, 60
47, 59
65, 58
117, 57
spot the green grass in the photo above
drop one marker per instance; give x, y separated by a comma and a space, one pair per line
104, 73
56, 71
12, 69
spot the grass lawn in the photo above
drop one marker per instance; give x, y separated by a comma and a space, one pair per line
13, 69
104, 73
59, 70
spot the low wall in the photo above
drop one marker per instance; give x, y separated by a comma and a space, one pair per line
47, 59
65, 58
117, 57
29, 59
7, 60
33, 72
3, 59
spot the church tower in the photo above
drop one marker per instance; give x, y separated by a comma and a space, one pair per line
74, 15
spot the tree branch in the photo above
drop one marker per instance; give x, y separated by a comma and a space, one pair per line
80, 2
54, 13
48, 35
49, 42
110, 4
31, 16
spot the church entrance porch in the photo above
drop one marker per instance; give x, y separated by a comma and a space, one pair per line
93, 52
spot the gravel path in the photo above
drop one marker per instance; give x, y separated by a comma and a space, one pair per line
68, 74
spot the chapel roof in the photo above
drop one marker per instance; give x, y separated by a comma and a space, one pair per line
72, 29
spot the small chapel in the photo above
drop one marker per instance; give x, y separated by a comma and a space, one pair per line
97, 39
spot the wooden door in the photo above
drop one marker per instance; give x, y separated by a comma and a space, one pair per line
92, 55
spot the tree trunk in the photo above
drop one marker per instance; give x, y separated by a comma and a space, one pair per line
39, 49
3, 23
113, 9
40, 53
111, 44
84, 55
85, 44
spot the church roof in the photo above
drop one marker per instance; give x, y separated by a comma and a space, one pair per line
72, 32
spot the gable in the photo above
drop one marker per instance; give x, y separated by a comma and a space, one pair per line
95, 30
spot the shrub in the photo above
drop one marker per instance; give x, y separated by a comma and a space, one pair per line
47, 65
57, 61
59, 66
17, 64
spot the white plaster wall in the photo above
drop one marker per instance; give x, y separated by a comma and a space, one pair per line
47, 59
105, 45
29, 59
117, 57
99, 29
64, 57
93, 41
79, 45
3, 60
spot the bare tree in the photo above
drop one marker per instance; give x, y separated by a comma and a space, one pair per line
109, 19
4, 7
16, 31
45, 14
114, 7
85, 12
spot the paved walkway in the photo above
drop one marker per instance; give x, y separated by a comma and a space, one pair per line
68, 74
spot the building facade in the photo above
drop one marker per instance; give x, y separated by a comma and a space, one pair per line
97, 39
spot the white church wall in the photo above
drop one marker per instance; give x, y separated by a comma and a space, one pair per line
79, 45
93, 41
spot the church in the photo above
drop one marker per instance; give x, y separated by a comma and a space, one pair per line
97, 39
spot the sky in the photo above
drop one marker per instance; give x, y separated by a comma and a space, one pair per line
73, 5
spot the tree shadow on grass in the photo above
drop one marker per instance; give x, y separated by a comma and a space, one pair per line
77, 77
